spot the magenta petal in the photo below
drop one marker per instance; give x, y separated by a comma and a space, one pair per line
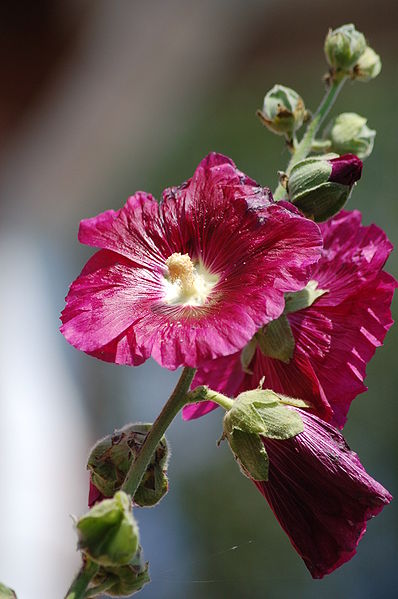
346, 169
94, 495
320, 494
117, 309
337, 335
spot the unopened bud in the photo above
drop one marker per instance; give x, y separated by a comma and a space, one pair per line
343, 47
255, 414
108, 533
368, 66
283, 110
111, 458
321, 185
348, 133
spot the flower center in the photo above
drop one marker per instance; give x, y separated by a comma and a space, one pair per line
187, 283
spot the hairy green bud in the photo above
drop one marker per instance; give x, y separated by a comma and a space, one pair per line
368, 66
343, 47
348, 133
111, 458
283, 111
108, 533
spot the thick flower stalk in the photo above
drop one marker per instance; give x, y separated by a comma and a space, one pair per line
191, 279
329, 334
321, 494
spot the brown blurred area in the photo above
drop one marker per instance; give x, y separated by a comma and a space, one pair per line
99, 99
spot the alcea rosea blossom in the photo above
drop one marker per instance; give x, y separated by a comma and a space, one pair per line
332, 338
192, 278
320, 493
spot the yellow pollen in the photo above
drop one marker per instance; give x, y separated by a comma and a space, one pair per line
181, 270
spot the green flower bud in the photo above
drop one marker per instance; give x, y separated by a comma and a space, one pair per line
348, 133
126, 580
283, 111
368, 66
111, 458
255, 414
108, 533
6, 593
320, 186
344, 46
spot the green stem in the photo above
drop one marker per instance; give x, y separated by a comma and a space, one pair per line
83, 578
173, 405
203, 393
304, 147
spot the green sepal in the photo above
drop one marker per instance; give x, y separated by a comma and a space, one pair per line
6, 592
111, 458
108, 533
276, 339
309, 174
325, 201
261, 412
250, 453
303, 299
127, 580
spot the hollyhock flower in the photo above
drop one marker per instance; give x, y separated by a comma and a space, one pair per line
333, 337
321, 494
191, 279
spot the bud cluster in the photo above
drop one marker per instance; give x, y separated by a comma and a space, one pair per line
348, 54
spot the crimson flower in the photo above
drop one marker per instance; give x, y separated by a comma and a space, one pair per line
192, 278
321, 494
333, 337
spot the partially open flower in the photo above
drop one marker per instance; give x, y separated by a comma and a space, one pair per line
321, 494
190, 279
318, 350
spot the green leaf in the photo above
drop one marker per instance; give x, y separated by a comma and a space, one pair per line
250, 453
276, 339
304, 298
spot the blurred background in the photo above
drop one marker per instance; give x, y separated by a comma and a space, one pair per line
100, 99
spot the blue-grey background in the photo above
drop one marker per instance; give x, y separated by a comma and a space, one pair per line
100, 99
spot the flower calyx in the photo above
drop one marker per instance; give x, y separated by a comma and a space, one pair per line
123, 581
256, 414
